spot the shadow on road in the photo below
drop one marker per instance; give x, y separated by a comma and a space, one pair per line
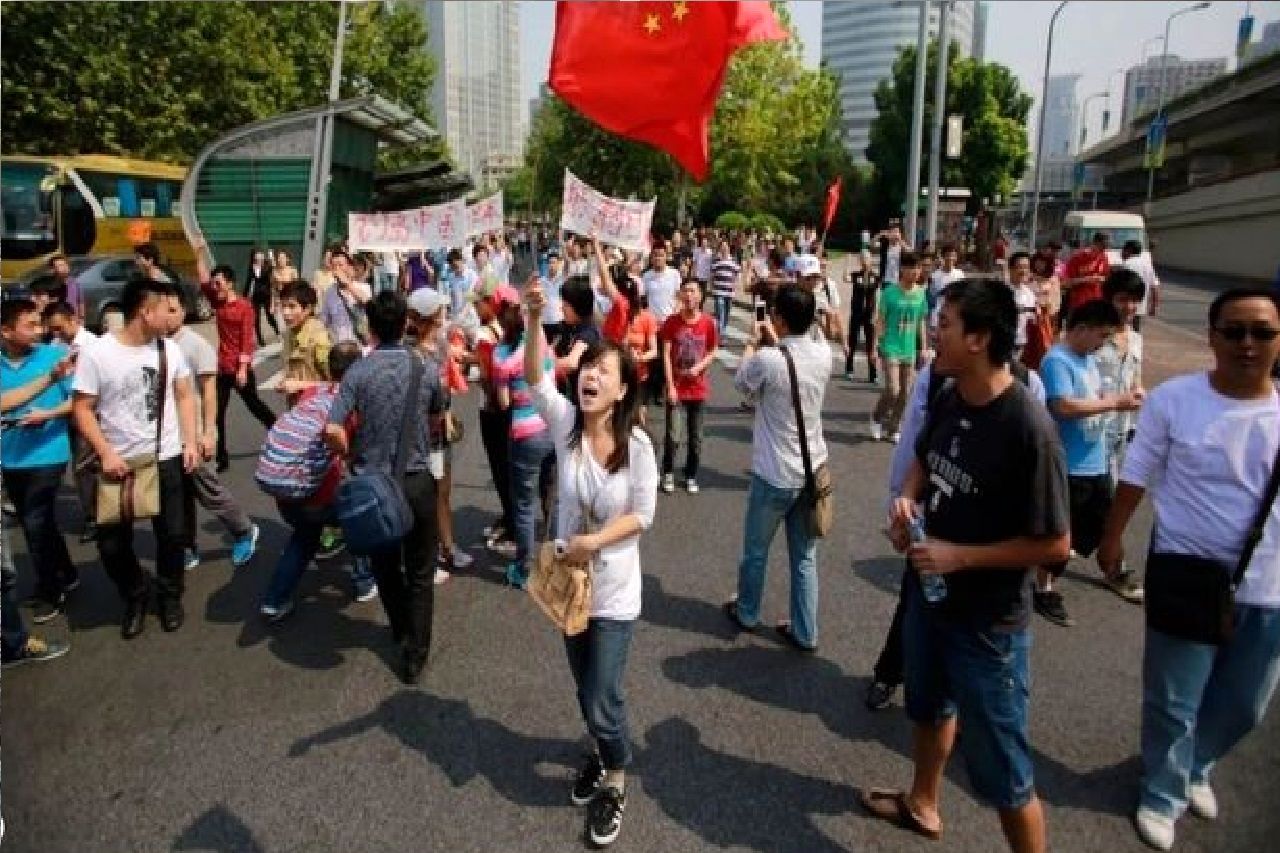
733, 802
447, 734
218, 829
683, 613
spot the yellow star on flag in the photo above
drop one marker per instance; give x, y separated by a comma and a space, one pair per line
652, 24
681, 9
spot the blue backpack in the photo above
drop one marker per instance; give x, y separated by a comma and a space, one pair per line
371, 506
295, 460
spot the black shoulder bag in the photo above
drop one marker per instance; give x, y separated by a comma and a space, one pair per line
818, 488
1194, 598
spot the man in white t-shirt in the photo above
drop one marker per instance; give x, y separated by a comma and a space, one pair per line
940, 278
1132, 256
1205, 446
204, 485
661, 284
63, 324
118, 408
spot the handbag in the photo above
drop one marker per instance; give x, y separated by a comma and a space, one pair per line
453, 429
137, 494
562, 587
818, 489
371, 506
1194, 598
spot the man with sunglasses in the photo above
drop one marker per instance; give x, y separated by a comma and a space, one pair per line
1205, 445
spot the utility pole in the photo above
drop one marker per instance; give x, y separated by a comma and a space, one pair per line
939, 115
912, 200
322, 159
1044, 97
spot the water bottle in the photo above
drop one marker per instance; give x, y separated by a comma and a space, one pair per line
934, 586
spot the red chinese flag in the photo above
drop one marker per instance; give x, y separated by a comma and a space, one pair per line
833, 201
652, 71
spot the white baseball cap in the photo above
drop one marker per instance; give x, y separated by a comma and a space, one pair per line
426, 301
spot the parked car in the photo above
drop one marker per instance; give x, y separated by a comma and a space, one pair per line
1120, 227
102, 279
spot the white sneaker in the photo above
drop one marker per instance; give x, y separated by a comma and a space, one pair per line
691, 486
1154, 829
668, 483
895, 437
877, 431
1202, 801
441, 577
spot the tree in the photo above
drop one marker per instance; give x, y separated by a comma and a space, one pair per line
994, 110
99, 78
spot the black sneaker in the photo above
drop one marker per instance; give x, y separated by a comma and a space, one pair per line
1050, 606
43, 611
587, 785
880, 694
604, 818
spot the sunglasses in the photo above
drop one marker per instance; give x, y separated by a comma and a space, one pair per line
1236, 333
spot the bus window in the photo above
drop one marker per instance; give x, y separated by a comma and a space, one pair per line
26, 212
79, 228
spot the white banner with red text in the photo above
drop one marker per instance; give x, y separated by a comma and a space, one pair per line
618, 222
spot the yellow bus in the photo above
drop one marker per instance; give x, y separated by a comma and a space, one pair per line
88, 205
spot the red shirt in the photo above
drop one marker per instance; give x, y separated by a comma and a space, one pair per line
1086, 262
236, 340
690, 344
614, 327
644, 325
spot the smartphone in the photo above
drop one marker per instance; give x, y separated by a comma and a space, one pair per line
760, 315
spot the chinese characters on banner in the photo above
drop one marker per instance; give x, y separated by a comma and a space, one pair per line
485, 215
440, 226
586, 211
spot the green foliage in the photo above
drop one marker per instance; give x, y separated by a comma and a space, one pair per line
733, 221
161, 80
768, 222
994, 109
775, 145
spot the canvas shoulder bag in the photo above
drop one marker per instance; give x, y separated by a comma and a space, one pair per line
1194, 598
137, 495
562, 587
818, 489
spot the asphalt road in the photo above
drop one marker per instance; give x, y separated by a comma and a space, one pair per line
232, 736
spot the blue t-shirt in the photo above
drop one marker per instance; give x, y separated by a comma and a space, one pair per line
1067, 375
49, 443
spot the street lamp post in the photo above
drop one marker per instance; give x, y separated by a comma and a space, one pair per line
1084, 115
1044, 96
1147, 44
939, 114
917, 127
1164, 76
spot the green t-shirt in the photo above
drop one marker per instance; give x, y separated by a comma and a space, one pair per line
902, 313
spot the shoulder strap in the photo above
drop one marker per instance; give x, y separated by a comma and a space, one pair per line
161, 391
1259, 523
795, 403
407, 420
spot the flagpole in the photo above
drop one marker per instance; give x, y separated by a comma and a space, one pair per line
917, 129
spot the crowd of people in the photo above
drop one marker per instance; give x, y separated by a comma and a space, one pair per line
1024, 435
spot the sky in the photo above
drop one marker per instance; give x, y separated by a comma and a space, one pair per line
1093, 38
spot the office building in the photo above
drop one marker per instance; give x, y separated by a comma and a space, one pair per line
476, 94
1142, 82
1062, 113
1265, 46
861, 40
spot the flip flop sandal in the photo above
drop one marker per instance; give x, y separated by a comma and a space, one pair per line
889, 805
788, 636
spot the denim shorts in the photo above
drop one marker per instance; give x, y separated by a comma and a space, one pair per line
983, 677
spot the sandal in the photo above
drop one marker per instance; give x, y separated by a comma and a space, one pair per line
788, 636
889, 805
731, 610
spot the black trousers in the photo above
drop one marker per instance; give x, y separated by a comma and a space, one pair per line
406, 572
171, 528
862, 322
35, 492
249, 393
495, 434
889, 666
261, 307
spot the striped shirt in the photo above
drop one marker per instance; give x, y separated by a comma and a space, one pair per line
724, 276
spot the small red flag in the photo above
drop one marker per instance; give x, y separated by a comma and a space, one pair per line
833, 201
652, 71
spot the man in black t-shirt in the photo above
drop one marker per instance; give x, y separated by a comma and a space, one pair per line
991, 475
862, 318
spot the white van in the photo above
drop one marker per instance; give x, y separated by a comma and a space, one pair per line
1080, 226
